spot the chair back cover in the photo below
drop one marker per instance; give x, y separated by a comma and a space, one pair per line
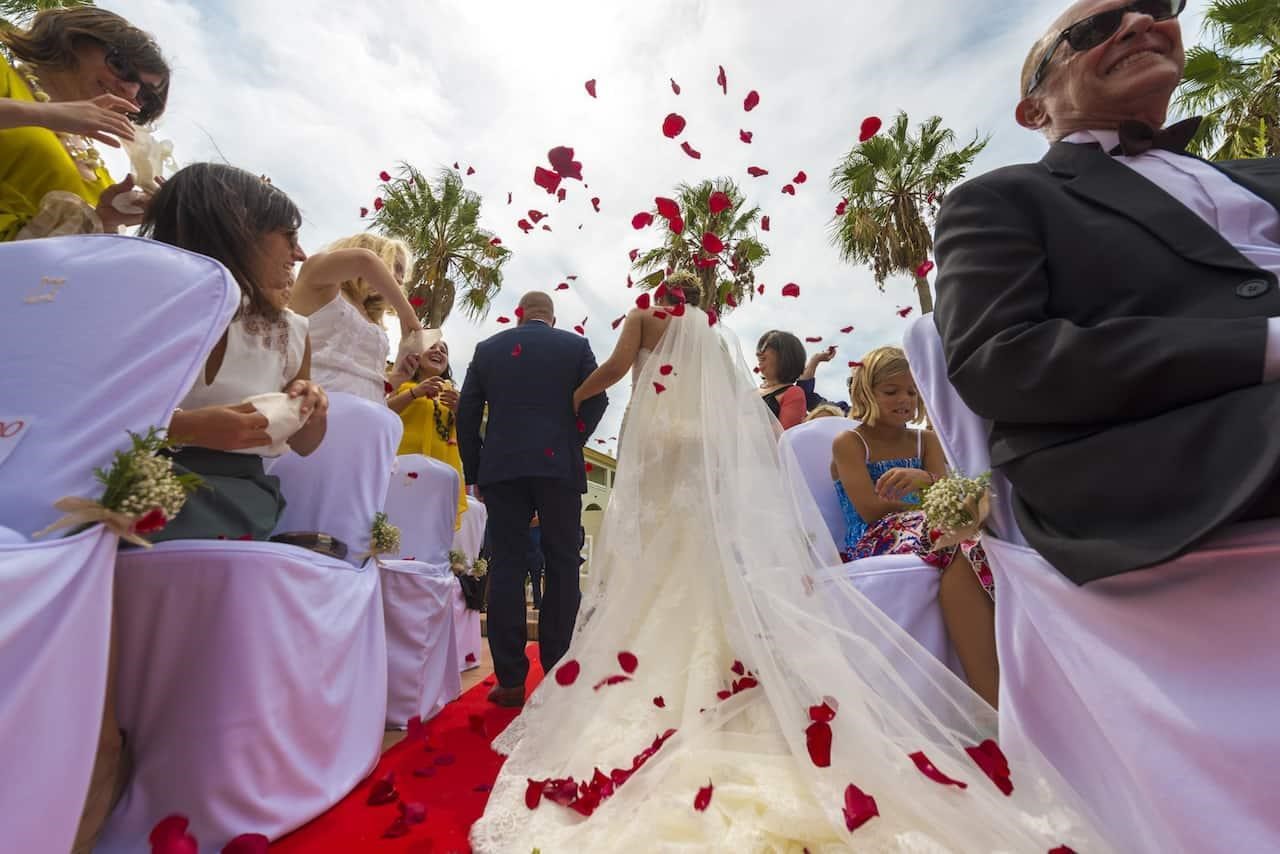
422, 501
339, 487
810, 445
469, 540
99, 336
963, 434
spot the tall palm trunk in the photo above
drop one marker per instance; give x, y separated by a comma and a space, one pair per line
925, 295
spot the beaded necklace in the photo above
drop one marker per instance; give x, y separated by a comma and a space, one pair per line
87, 159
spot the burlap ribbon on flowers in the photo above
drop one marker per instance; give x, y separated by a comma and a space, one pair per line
85, 512
978, 508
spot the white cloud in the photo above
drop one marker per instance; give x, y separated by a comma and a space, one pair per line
322, 95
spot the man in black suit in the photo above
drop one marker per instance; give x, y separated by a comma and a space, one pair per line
529, 461
1113, 309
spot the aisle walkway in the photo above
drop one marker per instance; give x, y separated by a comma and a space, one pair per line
441, 771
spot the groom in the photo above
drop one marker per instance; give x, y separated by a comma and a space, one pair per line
529, 461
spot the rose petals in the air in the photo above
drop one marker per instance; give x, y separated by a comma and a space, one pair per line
561, 160
712, 243
591, 87
722, 80
870, 127
791, 289
673, 125
690, 150
925, 268
751, 101
718, 202
859, 808
567, 673
642, 220
546, 179
931, 771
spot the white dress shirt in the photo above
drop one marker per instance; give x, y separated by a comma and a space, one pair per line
1247, 222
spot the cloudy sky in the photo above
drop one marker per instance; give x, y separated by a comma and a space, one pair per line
323, 95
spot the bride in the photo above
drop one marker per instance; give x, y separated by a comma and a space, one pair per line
718, 695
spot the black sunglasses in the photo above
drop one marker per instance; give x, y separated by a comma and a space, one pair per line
1092, 31
148, 96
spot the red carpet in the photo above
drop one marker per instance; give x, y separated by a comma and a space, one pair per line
445, 767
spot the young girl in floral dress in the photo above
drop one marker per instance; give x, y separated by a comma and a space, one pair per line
879, 468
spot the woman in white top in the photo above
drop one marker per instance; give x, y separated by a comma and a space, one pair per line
345, 292
251, 227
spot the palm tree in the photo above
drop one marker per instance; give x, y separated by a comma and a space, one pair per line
439, 221
727, 277
892, 184
18, 13
1235, 81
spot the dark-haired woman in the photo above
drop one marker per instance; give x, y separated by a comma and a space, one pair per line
74, 78
780, 361
251, 227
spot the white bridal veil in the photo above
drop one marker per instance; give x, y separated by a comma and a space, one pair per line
703, 609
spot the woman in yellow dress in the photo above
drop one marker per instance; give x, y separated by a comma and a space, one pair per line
74, 78
427, 404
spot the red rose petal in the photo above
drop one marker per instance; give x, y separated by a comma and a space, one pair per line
397, 828
471, 658
377, 203
859, 808
642, 301
677, 310
718, 202
739, 668
628, 662
364, 212
789, 189
595, 203
633, 253
676, 225
712, 243
846, 329
666, 370
764, 223
993, 763
384, 176
904, 311
578, 329
170, 836
546, 179
931, 771
1062, 849
533, 793
508, 198
675, 87
497, 241
712, 317
383, 790
153, 520
925, 268
751, 101
546, 227
673, 125
417, 302
561, 160
582, 428
855, 364
247, 843
560, 194
745, 136
800, 177
660, 702
413, 813
413, 475
563, 286
567, 673
616, 679
616, 323
870, 127
642, 220
841, 207
722, 80
503, 319
729, 299
471, 170
519, 311
525, 226
690, 150
659, 388
536, 216
667, 208
791, 289
817, 738
548, 452
813, 339
702, 800
591, 87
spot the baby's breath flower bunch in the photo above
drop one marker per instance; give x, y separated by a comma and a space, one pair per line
478, 568
384, 538
953, 503
141, 480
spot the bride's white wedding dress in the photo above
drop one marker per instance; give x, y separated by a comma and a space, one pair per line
714, 700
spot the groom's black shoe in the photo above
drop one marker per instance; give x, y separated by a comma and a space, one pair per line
509, 697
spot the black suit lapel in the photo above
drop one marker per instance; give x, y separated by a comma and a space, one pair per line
1096, 176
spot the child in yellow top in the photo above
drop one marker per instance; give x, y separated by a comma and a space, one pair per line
427, 403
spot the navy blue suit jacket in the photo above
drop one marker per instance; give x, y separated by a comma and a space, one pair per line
527, 376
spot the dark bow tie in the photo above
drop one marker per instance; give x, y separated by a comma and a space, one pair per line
1139, 138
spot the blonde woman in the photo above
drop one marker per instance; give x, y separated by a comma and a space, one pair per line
346, 290
878, 469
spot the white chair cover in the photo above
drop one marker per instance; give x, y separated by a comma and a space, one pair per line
469, 539
1151, 691
419, 592
810, 445
340, 485
142, 318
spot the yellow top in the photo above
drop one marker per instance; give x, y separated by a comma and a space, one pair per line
33, 162
422, 436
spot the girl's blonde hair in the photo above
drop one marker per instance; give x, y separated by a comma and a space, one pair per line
358, 290
877, 367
